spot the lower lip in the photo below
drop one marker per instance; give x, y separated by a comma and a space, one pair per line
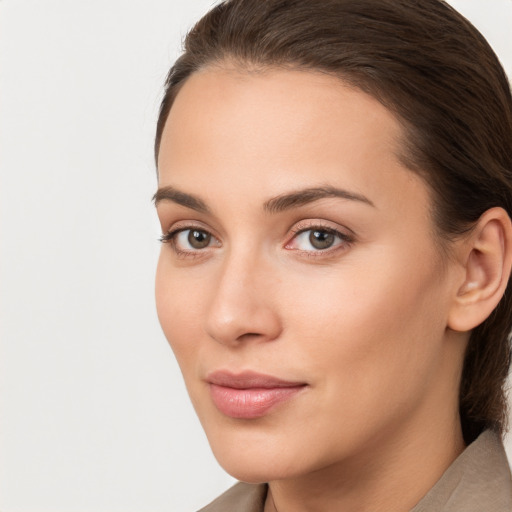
250, 403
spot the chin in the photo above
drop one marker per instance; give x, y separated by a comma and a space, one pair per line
254, 456
257, 471
248, 459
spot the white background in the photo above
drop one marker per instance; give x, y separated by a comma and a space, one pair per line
93, 413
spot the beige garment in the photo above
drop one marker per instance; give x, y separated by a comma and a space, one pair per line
479, 480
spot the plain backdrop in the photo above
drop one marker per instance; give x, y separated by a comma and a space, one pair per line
93, 412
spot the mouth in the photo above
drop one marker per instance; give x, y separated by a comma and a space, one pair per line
250, 395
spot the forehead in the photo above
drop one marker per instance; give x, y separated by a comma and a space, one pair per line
276, 129
294, 104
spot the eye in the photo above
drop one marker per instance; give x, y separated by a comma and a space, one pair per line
193, 239
190, 239
318, 238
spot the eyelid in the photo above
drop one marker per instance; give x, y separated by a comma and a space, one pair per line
183, 225
321, 224
344, 234
179, 227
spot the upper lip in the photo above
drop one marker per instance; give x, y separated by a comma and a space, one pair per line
248, 380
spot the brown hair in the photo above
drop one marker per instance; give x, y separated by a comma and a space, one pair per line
439, 76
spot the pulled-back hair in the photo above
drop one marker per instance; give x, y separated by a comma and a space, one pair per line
431, 68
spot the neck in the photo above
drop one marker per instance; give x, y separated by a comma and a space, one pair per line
394, 473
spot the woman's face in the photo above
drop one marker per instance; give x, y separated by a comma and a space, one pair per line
300, 285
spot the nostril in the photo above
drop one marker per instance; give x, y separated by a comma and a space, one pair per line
249, 335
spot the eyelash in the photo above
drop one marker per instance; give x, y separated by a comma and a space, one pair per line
170, 238
345, 240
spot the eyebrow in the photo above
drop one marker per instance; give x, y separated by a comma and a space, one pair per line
309, 195
182, 198
275, 205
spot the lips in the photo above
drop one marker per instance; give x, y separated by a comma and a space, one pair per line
249, 395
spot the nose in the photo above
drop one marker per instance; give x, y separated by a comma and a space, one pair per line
242, 307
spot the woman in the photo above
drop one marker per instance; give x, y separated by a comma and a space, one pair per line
335, 191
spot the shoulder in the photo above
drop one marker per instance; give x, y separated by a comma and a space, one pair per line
479, 480
241, 497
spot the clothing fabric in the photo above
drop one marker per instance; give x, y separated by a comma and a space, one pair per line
479, 480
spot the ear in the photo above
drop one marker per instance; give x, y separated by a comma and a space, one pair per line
487, 258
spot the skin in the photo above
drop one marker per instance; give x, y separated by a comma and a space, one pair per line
365, 324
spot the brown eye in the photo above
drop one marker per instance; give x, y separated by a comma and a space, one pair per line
198, 239
321, 239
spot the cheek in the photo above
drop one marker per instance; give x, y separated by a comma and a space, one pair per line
178, 307
370, 326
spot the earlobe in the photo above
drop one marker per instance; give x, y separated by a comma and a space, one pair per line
487, 257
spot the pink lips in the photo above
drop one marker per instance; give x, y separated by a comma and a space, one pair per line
249, 395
